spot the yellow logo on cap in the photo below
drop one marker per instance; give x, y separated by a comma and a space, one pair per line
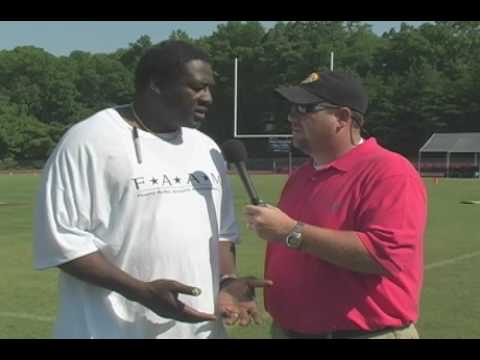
311, 78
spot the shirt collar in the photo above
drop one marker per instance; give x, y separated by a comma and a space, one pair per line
348, 160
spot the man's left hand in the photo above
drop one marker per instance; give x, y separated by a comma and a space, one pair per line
236, 300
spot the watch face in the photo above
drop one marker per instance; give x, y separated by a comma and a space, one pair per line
294, 240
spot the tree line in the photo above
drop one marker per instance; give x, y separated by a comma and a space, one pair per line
420, 80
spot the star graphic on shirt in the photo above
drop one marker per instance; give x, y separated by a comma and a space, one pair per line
177, 180
154, 181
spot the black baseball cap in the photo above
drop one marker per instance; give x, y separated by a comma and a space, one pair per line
337, 88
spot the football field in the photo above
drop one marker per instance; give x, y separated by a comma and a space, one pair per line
449, 307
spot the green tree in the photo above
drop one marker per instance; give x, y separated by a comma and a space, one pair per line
101, 81
130, 57
180, 35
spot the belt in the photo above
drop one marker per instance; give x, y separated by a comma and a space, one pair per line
342, 334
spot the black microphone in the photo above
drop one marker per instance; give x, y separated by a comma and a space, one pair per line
235, 152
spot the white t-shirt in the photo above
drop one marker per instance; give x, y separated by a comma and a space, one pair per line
161, 219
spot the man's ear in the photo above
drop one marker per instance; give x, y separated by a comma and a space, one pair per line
344, 115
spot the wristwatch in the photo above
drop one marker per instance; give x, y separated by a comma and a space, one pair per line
294, 238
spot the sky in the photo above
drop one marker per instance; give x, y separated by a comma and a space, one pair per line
62, 37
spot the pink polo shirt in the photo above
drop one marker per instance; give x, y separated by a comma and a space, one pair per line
379, 195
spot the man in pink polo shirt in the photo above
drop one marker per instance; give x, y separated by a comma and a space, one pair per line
345, 245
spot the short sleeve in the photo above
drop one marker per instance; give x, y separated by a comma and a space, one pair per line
63, 214
228, 226
391, 220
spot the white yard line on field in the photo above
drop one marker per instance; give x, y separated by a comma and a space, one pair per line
451, 260
26, 316
433, 265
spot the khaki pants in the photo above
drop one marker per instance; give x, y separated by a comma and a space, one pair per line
410, 332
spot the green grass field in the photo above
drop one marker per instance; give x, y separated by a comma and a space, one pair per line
449, 307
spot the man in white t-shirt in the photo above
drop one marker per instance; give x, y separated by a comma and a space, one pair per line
136, 209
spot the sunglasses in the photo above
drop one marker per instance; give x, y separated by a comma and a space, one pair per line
310, 108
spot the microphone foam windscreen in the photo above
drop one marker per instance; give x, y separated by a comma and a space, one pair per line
234, 151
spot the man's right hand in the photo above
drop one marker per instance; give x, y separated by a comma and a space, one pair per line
161, 296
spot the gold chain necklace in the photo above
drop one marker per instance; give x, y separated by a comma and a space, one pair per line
166, 136
139, 121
